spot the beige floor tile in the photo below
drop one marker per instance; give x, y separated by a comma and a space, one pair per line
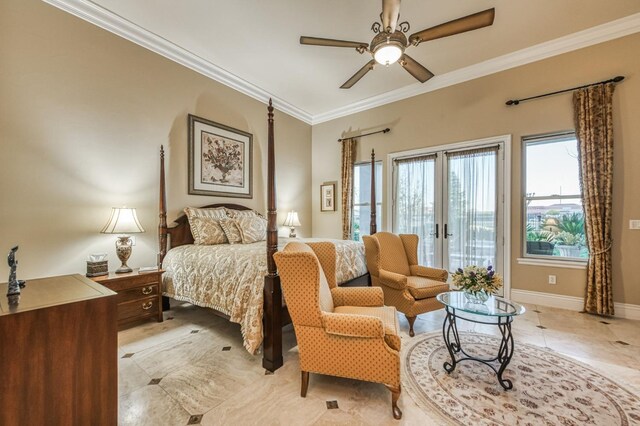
130, 376
150, 405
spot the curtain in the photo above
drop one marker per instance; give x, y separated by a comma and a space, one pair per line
348, 159
415, 203
594, 131
472, 208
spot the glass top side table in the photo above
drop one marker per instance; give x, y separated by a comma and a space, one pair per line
495, 311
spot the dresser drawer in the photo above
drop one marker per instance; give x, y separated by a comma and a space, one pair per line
138, 293
139, 308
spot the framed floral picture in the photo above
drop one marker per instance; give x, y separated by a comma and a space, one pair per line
328, 197
220, 160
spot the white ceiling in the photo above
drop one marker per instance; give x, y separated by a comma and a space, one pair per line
257, 41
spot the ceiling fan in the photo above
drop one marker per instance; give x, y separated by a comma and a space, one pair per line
390, 41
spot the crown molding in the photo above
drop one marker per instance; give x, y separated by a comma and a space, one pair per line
103, 18
581, 39
118, 25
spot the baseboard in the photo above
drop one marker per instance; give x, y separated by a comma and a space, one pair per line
573, 303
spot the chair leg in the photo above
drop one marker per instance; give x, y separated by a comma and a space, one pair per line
305, 383
411, 321
395, 394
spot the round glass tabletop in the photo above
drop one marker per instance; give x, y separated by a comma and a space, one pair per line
495, 306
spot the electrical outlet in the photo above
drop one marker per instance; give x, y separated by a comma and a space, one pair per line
634, 224
552, 279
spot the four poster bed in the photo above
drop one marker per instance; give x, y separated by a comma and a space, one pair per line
229, 278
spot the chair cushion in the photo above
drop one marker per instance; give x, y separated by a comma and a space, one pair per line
423, 288
386, 313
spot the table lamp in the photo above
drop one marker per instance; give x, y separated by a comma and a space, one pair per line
292, 221
123, 221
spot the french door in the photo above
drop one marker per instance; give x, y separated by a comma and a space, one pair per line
453, 200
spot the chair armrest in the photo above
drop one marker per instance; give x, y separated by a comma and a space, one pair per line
393, 280
357, 296
433, 273
353, 325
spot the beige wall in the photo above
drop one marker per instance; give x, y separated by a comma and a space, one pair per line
82, 116
476, 110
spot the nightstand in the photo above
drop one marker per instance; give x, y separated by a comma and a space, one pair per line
139, 295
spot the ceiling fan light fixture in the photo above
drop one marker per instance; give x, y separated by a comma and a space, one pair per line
388, 53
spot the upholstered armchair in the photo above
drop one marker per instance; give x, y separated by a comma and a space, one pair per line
392, 261
345, 332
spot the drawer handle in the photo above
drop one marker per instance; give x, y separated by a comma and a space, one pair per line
147, 306
147, 290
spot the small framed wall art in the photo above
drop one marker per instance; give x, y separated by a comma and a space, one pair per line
220, 160
328, 197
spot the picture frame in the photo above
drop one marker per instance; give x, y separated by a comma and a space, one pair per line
220, 159
328, 197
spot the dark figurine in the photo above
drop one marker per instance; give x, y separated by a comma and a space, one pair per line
14, 284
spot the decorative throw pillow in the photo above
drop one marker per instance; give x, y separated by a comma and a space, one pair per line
252, 229
208, 230
230, 228
242, 213
214, 213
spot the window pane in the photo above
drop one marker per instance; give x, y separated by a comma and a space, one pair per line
555, 228
552, 168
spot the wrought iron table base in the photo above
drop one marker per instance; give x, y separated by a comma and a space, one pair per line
452, 341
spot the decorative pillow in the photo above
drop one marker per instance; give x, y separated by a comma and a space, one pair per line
242, 213
204, 225
214, 213
230, 228
252, 229
207, 231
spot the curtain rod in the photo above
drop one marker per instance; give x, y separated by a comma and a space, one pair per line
387, 130
617, 79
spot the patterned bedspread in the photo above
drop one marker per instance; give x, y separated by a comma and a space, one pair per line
230, 278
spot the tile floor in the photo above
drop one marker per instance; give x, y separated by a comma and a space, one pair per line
192, 369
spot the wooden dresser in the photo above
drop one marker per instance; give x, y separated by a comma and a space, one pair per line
59, 354
139, 295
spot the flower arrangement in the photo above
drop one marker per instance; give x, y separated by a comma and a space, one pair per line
223, 156
477, 279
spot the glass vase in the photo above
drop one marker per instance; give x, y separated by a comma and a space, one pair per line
478, 297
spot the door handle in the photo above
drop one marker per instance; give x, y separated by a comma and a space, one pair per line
437, 233
446, 231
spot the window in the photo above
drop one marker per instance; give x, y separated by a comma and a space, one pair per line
362, 198
553, 214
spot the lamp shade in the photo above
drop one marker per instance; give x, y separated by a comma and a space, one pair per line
122, 221
292, 219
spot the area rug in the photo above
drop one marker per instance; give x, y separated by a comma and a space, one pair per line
548, 388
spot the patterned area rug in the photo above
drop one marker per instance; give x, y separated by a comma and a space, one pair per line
548, 388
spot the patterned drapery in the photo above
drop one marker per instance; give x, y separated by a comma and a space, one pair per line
594, 131
348, 160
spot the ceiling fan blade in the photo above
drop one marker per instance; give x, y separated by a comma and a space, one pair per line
390, 14
357, 76
457, 26
315, 41
414, 68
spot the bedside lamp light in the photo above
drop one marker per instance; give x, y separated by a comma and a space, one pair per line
292, 221
123, 221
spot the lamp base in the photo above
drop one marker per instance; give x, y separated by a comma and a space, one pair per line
123, 250
292, 233
123, 269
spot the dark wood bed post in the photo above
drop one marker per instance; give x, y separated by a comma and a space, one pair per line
162, 226
272, 317
372, 223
